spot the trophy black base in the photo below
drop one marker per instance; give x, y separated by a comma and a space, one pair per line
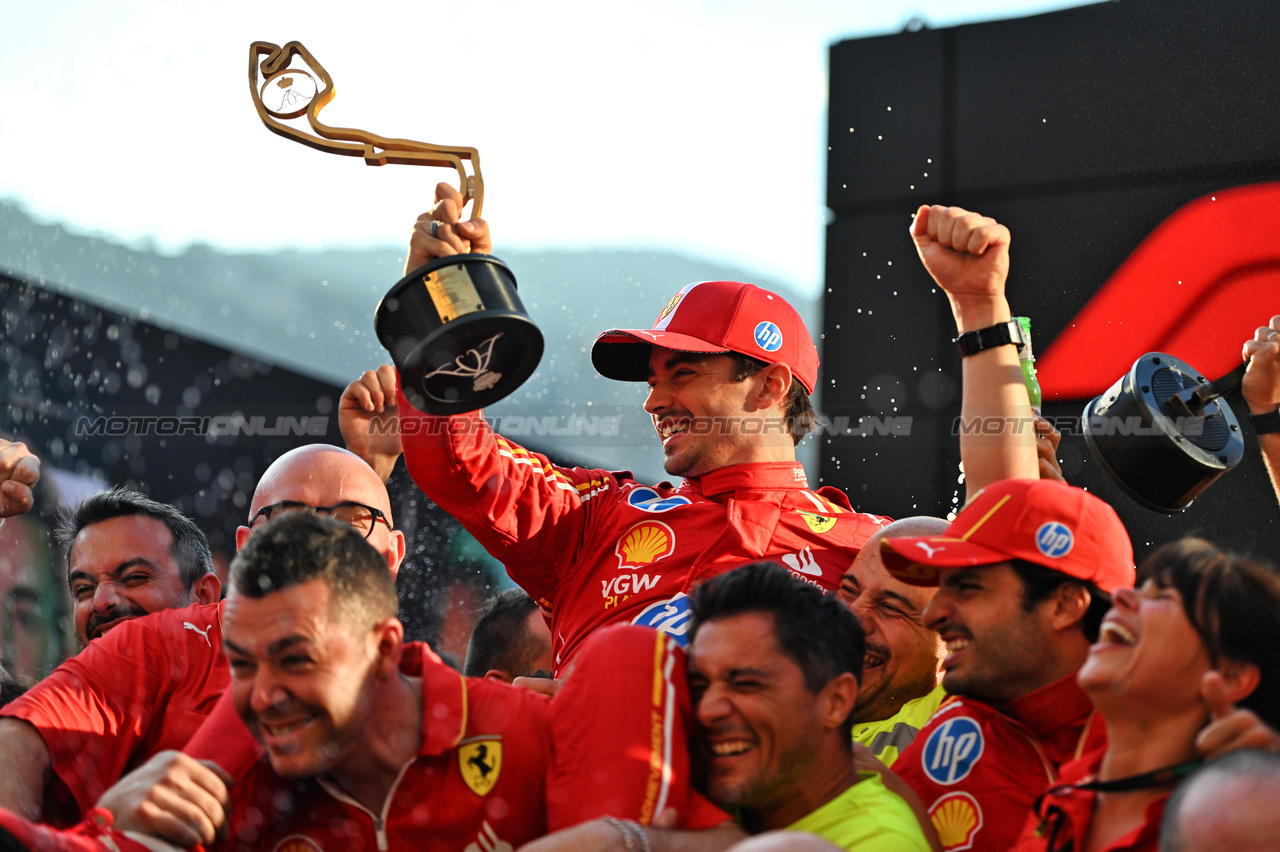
1160, 459
458, 333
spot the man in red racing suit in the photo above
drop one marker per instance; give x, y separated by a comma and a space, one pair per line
595, 547
730, 368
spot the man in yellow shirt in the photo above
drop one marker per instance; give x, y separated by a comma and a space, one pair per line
774, 667
902, 670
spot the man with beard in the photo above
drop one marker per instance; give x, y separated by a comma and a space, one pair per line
128, 556
900, 676
773, 671
148, 684
1024, 576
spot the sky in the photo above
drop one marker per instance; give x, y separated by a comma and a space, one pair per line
696, 126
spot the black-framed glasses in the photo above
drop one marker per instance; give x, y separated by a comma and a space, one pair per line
363, 518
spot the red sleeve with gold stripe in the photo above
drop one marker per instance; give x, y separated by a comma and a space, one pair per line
527, 512
620, 728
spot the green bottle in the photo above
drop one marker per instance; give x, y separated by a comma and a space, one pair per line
1029, 364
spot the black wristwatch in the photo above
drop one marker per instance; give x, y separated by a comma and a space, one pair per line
1000, 334
1266, 424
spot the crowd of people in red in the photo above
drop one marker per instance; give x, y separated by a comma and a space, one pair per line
779, 671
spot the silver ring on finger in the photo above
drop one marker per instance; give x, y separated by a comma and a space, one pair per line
435, 229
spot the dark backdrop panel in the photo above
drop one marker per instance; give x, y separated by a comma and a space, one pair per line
1082, 130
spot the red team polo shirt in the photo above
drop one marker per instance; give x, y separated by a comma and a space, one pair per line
595, 547
479, 779
502, 765
978, 768
144, 687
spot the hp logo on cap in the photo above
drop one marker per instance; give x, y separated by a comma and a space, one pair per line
1054, 539
768, 337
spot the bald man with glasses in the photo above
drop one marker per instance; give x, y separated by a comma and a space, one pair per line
146, 686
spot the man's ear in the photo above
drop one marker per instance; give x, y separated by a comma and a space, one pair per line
388, 638
837, 699
242, 535
774, 383
497, 674
206, 590
1068, 605
395, 553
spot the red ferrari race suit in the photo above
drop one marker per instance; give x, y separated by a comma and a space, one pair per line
978, 768
1066, 812
144, 687
501, 765
595, 547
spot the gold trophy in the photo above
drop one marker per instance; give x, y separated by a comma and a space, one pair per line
455, 327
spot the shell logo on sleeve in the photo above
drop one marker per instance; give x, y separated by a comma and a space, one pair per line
957, 818
297, 843
644, 544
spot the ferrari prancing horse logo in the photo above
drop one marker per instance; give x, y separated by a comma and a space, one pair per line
480, 762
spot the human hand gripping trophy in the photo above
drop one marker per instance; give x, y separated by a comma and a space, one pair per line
455, 327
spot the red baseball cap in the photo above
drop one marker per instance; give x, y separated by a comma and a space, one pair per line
1051, 524
713, 316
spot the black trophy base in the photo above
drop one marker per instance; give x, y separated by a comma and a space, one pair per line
1160, 459
458, 333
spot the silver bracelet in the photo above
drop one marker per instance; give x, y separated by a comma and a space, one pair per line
634, 838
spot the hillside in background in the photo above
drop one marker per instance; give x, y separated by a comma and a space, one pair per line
313, 312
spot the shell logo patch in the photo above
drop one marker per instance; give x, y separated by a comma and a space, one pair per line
480, 762
297, 843
818, 523
952, 750
957, 818
645, 543
1054, 539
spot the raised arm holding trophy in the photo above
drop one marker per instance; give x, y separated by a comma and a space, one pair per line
455, 326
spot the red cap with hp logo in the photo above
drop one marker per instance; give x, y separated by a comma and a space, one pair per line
714, 316
1058, 526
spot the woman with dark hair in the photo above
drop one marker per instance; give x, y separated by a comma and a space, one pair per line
1200, 621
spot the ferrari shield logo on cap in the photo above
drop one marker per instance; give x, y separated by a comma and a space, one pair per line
671, 305
480, 762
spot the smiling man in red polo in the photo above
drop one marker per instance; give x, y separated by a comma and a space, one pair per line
1024, 576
